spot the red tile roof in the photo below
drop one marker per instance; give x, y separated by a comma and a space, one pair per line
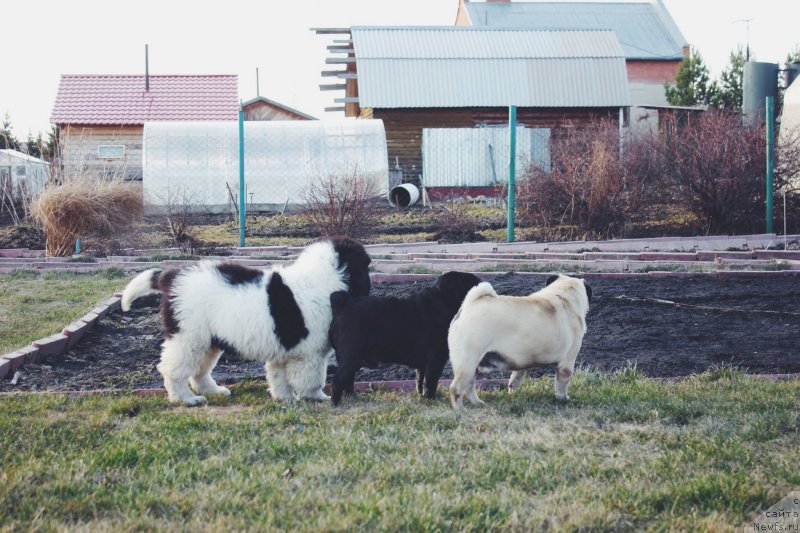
109, 99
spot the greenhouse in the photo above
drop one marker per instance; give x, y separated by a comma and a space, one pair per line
197, 163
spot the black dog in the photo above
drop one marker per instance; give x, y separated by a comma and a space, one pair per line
412, 331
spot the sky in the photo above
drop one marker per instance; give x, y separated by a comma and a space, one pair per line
236, 36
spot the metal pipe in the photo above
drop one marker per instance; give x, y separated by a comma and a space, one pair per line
242, 206
512, 168
146, 69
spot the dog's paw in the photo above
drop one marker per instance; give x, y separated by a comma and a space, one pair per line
317, 396
193, 401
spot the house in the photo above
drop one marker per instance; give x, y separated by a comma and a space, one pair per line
21, 176
260, 108
101, 117
653, 44
422, 78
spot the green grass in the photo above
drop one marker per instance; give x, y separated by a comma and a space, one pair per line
36, 304
626, 453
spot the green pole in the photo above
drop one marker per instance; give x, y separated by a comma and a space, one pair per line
512, 168
770, 158
241, 179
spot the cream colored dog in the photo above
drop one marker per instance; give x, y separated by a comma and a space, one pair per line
493, 332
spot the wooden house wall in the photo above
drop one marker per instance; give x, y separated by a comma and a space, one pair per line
404, 126
79, 150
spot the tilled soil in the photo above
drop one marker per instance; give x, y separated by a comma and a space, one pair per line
665, 326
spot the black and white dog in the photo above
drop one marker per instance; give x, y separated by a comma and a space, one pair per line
411, 331
280, 317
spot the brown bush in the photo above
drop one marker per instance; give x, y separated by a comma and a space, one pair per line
588, 192
718, 165
342, 204
85, 207
456, 223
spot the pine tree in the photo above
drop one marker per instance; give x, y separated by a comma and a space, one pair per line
728, 94
7, 139
692, 82
794, 55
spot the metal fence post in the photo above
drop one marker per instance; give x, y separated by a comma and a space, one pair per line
242, 205
512, 168
770, 159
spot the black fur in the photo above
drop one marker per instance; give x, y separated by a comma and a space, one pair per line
235, 274
411, 331
225, 346
290, 328
164, 282
355, 260
492, 361
154, 280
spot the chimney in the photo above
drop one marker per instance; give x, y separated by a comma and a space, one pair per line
146, 70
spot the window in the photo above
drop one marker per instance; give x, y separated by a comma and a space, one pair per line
21, 170
110, 151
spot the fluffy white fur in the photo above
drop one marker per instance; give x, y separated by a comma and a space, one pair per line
494, 332
204, 304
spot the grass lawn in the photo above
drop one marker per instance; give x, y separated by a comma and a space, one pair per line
625, 453
37, 304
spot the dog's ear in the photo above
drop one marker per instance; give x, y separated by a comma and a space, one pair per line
551, 279
588, 291
338, 300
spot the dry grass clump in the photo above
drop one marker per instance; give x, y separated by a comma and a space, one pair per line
85, 207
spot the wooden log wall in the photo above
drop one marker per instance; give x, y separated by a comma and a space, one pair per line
404, 126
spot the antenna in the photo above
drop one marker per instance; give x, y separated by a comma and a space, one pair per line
257, 91
747, 46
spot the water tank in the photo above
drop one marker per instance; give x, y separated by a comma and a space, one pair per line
760, 80
791, 73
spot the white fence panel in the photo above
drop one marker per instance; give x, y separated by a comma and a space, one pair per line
478, 157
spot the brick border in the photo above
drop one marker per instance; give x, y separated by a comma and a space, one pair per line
55, 345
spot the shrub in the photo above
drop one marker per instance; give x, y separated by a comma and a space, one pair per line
456, 223
85, 207
342, 204
588, 192
718, 166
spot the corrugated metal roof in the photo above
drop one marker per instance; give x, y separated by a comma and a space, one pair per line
453, 67
111, 99
644, 29
449, 42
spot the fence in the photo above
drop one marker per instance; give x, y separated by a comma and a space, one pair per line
198, 162
478, 157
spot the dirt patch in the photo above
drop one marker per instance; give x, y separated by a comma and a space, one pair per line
740, 321
21, 237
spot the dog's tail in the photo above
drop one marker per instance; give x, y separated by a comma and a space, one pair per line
338, 300
142, 285
480, 290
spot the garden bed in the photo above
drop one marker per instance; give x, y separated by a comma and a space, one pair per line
666, 327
